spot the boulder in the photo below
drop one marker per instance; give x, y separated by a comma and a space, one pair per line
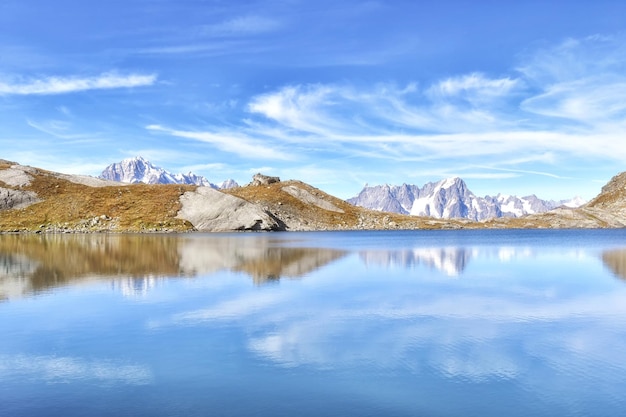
210, 210
260, 179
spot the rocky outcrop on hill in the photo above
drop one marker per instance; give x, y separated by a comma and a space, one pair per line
16, 199
12, 198
210, 210
260, 179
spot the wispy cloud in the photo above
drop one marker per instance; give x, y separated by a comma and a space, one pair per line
552, 106
560, 105
61, 129
477, 85
242, 25
64, 85
231, 142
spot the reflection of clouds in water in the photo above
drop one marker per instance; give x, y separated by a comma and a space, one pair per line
246, 305
478, 332
65, 369
475, 343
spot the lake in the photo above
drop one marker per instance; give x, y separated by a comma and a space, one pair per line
407, 323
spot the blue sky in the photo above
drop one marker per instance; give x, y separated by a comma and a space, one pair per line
513, 97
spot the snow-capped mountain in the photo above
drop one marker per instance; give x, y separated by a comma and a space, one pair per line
227, 184
139, 170
450, 198
391, 198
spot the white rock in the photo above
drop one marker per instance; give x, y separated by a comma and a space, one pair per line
211, 210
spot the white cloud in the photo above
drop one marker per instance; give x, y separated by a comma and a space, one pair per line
476, 84
231, 142
303, 108
588, 100
563, 104
243, 25
62, 129
65, 85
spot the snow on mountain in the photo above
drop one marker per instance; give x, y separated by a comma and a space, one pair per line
224, 185
139, 170
390, 198
451, 261
450, 198
574, 202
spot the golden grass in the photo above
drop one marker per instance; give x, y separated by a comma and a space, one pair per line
67, 205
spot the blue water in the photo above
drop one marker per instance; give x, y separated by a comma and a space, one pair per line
445, 323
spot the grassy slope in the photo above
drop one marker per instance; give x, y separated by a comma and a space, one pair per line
67, 205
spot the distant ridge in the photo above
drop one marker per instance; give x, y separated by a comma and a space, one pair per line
139, 170
451, 198
34, 200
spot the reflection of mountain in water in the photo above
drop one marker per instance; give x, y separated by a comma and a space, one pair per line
450, 261
35, 263
615, 260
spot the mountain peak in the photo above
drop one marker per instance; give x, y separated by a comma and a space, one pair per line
139, 170
450, 198
451, 182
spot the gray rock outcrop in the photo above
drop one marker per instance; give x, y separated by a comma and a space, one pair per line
16, 176
16, 199
260, 179
213, 211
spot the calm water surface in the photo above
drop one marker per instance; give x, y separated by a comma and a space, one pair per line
467, 323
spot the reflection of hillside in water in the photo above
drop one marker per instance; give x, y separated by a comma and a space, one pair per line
259, 256
615, 260
35, 263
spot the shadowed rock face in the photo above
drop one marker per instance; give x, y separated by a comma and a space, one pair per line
16, 199
35, 263
11, 198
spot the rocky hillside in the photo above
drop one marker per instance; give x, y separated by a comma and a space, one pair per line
607, 210
36, 200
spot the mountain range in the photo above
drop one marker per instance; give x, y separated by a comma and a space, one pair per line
450, 198
138, 170
34, 200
